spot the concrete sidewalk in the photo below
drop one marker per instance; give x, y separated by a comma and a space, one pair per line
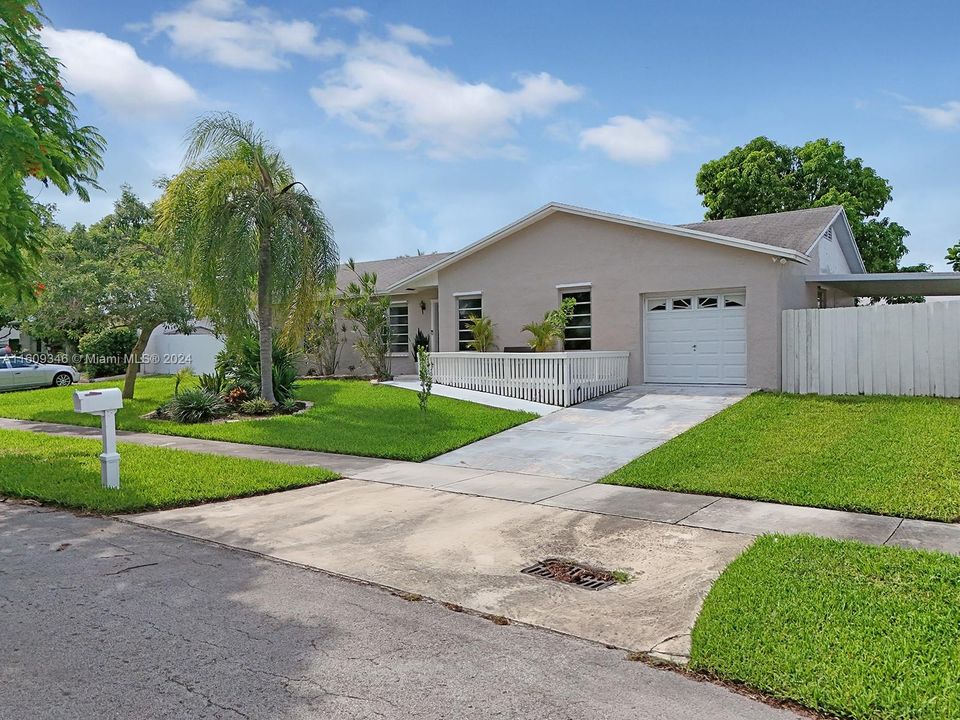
744, 517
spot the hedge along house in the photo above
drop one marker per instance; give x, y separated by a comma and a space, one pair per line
693, 304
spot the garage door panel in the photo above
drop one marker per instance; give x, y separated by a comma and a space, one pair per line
704, 344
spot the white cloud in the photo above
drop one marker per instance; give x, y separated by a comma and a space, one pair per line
236, 35
353, 14
115, 76
945, 117
410, 35
634, 141
386, 90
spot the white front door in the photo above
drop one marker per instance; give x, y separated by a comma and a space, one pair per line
696, 338
434, 326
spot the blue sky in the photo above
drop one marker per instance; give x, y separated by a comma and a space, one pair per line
427, 125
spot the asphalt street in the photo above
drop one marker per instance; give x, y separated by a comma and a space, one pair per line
101, 619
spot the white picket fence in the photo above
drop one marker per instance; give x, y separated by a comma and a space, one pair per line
875, 350
554, 378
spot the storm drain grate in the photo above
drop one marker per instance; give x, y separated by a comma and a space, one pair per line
571, 573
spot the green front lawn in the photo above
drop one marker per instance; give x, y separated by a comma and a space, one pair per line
348, 416
66, 471
893, 456
849, 629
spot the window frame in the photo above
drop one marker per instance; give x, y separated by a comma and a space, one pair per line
461, 318
571, 290
394, 334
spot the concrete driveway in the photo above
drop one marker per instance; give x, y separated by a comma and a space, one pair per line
586, 442
469, 551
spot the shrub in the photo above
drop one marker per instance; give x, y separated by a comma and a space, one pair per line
326, 335
256, 406
239, 363
420, 341
195, 405
289, 406
425, 371
550, 331
236, 395
369, 313
481, 332
106, 352
182, 375
214, 382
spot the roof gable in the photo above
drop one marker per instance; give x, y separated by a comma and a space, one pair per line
750, 244
389, 272
795, 229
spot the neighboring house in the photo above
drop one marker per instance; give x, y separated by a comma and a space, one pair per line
698, 303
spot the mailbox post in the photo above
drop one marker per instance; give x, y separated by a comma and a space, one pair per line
104, 403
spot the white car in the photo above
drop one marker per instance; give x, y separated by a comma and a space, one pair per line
17, 373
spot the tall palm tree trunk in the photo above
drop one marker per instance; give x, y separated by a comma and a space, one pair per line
265, 318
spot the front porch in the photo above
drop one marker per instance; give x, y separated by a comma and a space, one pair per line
554, 378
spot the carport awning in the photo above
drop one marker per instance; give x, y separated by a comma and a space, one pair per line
889, 284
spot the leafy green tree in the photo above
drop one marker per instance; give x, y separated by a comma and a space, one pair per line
327, 334
369, 315
953, 257
766, 177
248, 235
39, 138
114, 274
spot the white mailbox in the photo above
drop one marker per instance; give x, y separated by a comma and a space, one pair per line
105, 403
96, 401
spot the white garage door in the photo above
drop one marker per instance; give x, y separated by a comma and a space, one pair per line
696, 338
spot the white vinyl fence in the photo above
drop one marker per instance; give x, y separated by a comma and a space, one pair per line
555, 378
168, 352
876, 350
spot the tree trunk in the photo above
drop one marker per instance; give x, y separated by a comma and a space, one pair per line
265, 318
133, 362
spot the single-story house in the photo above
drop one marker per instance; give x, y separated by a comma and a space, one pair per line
700, 303
695, 303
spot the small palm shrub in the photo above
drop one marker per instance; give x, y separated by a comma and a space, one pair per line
547, 333
481, 330
256, 406
183, 374
212, 382
195, 405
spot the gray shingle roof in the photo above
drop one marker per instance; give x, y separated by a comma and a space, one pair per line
794, 230
389, 271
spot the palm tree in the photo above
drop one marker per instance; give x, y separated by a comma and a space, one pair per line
247, 235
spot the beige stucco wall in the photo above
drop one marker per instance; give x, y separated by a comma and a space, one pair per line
518, 275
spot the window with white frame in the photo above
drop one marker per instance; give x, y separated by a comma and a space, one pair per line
467, 308
578, 333
399, 327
